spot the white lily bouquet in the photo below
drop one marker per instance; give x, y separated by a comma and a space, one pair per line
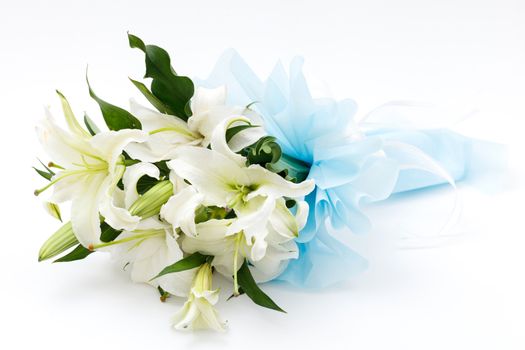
231, 176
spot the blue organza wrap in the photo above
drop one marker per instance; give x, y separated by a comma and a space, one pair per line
349, 165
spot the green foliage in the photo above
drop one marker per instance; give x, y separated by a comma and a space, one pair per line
190, 262
145, 183
231, 132
78, 253
265, 151
252, 290
170, 93
292, 169
203, 213
90, 125
290, 203
115, 117
108, 233
155, 102
47, 173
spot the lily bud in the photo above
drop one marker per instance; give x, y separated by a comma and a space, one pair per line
149, 203
60, 241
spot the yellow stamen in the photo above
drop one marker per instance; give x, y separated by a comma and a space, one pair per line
54, 165
65, 174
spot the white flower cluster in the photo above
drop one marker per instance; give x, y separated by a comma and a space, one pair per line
211, 201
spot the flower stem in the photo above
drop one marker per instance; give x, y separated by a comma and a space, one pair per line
238, 239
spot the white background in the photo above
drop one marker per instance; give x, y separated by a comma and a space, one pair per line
466, 292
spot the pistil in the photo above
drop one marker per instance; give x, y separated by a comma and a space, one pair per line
238, 239
140, 235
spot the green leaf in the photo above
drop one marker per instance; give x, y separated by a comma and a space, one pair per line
47, 174
78, 253
172, 90
108, 233
115, 117
294, 169
155, 102
290, 203
90, 125
163, 167
190, 262
145, 183
44, 174
252, 290
203, 213
231, 132
265, 151
47, 168
136, 42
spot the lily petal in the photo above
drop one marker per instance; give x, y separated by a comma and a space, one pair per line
271, 184
85, 218
275, 261
112, 143
116, 216
61, 146
211, 173
218, 139
204, 99
132, 176
180, 210
283, 221
252, 220
165, 134
248, 136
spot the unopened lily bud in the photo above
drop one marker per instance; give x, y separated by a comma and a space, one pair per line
60, 241
149, 203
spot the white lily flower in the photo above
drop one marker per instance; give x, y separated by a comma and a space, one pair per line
151, 245
180, 210
230, 251
251, 191
147, 250
167, 132
198, 312
131, 178
91, 167
210, 109
284, 228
